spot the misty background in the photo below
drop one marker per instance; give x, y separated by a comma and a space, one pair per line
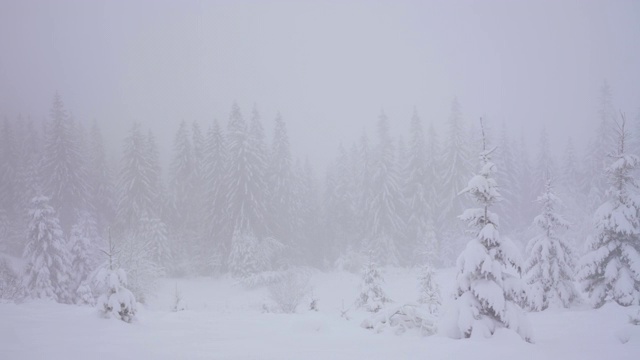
328, 67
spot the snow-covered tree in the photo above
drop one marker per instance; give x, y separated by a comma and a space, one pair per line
549, 270
215, 168
84, 238
46, 253
506, 176
417, 185
137, 195
455, 157
488, 286
246, 183
63, 168
383, 212
372, 298
100, 179
281, 183
429, 289
594, 182
111, 283
610, 271
340, 203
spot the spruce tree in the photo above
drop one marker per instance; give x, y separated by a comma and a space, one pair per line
417, 185
488, 287
372, 297
63, 168
84, 238
46, 254
111, 282
383, 218
610, 271
549, 270
281, 183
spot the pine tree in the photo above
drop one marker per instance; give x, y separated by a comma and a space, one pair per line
63, 169
384, 221
83, 239
455, 158
246, 186
137, 198
549, 269
340, 204
610, 271
488, 291
100, 179
281, 183
429, 289
46, 253
418, 183
215, 167
111, 282
372, 298
182, 170
595, 180
506, 176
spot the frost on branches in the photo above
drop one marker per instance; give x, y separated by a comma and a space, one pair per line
115, 299
372, 298
488, 285
549, 269
610, 271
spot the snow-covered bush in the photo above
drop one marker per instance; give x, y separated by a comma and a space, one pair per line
402, 318
84, 295
250, 255
110, 282
372, 298
549, 269
115, 299
488, 287
610, 271
290, 290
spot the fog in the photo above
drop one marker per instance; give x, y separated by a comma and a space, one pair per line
328, 67
237, 179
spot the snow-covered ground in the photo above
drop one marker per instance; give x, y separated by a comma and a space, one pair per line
225, 321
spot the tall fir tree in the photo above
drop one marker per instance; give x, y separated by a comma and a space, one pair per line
46, 254
488, 288
63, 169
610, 271
418, 183
281, 184
455, 157
383, 218
549, 270
215, 167
246, 189
100, 179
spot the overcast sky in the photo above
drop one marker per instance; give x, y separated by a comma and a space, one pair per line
329, 67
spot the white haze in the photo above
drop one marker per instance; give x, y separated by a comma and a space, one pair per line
328, 67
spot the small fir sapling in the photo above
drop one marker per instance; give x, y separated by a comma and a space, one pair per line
115, 299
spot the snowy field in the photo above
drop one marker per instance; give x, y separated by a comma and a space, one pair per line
225, 321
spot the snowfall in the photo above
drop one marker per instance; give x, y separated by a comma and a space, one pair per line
224, 320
